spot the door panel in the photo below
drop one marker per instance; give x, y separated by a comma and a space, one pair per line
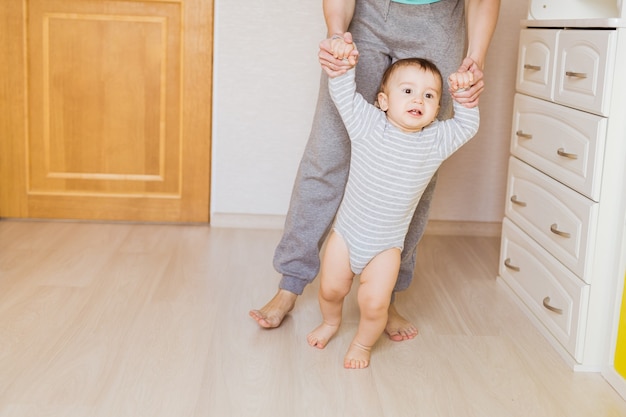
116, 110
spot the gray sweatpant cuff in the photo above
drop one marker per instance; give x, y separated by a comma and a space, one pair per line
292, 284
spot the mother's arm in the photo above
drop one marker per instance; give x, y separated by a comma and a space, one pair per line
338, 15
482, 16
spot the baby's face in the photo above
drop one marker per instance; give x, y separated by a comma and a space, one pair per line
411, 98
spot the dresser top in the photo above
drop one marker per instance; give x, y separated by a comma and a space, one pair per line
610, 22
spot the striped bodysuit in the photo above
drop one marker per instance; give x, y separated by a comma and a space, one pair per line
389, 170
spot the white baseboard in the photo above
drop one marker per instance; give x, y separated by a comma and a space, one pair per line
463, 228
435, 227
247, 221
616, 380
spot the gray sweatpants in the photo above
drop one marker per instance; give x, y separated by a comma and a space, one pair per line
383, 32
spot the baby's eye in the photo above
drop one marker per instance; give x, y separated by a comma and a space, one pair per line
429, 95
407, 91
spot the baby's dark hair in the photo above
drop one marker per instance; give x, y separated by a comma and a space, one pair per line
423, 63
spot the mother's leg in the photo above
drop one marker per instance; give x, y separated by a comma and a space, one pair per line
316, 194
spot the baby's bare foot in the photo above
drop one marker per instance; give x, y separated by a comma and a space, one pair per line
321, 335
398, 328
357, 357
273, 313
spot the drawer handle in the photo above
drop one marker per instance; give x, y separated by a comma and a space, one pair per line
521, 134
576, 74
507, 263
546, 304
562, 152
532, 67
514, 200
555, 229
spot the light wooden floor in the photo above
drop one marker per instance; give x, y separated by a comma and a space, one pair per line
152, 320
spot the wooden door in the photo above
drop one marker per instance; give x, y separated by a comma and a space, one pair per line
106, 109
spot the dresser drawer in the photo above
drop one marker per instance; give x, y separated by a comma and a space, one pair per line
536, 57
558, 218
566, 144
584, 69
550, 291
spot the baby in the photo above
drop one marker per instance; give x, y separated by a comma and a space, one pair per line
396, 149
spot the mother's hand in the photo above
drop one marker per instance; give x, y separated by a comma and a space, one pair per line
469, 97
338, 54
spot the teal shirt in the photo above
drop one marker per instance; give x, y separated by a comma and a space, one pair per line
415, 1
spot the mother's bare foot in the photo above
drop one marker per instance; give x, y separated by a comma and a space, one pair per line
357, 357
271, 315
398, 328
321, 335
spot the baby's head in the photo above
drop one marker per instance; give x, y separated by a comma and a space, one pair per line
410, 93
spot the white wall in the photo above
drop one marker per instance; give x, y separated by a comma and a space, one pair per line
265, 88
472, 183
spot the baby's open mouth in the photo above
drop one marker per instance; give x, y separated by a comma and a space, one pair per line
415, 112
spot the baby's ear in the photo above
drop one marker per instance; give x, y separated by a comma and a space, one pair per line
381, 99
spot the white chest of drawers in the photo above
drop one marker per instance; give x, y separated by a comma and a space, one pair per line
561, 250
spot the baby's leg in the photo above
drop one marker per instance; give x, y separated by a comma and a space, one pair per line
335, 282
377, 281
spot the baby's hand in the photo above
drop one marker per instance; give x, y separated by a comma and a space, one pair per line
460, 81
342, 48
338, 54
